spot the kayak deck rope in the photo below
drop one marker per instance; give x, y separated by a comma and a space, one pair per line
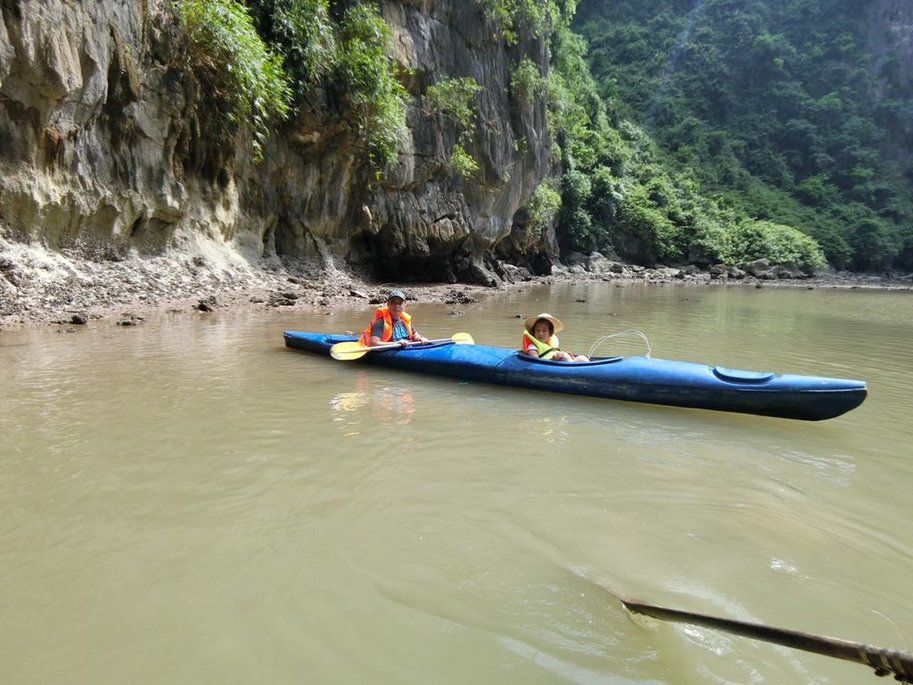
629, 332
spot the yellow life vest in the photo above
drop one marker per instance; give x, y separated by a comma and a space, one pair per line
545, 350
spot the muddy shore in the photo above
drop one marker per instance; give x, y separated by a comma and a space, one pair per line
44, 288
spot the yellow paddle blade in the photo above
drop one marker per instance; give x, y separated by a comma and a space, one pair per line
346, 351
462, 339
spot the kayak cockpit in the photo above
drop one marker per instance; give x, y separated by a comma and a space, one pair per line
740, 376
597, 361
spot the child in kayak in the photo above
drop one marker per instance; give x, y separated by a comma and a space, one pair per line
539, 340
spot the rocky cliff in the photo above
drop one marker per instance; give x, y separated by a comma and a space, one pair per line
102, 152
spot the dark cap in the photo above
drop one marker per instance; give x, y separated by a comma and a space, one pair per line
396, 293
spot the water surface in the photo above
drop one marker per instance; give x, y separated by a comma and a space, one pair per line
188, 501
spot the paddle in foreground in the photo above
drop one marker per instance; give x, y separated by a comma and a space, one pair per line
883, 661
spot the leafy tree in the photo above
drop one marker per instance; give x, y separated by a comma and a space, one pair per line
526, 83
780, 244
515, 18
462, 162
243, 76
454, 97
373, 94
304, 33
544, 206
338, 64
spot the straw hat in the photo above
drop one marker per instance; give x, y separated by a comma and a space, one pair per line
531, 321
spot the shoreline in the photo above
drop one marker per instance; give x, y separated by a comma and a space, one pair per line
39, 288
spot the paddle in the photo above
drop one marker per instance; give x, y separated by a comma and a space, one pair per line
884, 661
347, 351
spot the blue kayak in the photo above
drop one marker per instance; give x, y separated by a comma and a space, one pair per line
634, 378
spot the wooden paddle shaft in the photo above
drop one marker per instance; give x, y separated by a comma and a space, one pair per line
349, 350
884, 661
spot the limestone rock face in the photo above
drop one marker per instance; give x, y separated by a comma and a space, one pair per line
101, 147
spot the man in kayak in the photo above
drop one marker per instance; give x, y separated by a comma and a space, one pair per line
539, 340
391, 324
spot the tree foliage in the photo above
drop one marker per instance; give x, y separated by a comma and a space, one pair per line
543, 206
243, 76
373, 93
260, 58
781, 111
462, 162
532, 18
615, 193
304, 33
455, 98
526, 82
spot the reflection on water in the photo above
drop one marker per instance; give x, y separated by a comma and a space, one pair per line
388, 405
190, 502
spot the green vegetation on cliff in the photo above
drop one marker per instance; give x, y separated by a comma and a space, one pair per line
243, 78
338, 60
531, 18
258, 59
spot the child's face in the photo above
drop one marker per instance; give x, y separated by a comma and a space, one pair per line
540, 330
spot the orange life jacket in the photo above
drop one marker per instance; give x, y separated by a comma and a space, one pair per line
546, 350
384, 313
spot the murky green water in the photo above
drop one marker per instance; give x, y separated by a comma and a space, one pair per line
190, 502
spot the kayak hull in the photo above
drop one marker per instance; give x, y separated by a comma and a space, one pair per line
634, 379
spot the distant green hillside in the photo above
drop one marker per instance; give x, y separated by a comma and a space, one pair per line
774, 112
